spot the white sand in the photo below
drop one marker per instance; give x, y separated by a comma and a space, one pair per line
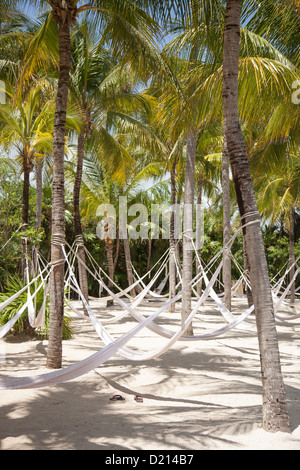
198, 395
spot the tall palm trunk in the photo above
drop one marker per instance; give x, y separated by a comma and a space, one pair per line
83, 279
187, 264
292, 254
26, 186
226, 228
25, 210
189, 193
246, 270
38, 211
172, 265
64, 15
111, 268
128, 265
177, 245
199, 234
275, 413
149, 253
39, 193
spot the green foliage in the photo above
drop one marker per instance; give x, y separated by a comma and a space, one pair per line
15, 284
277, 250
133, 136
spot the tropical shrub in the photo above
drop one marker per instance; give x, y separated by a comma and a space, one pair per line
14, 284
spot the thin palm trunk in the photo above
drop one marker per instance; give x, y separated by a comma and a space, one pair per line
110, 263
38, 211
172, 265
117, 251
54, 354
275, 413
246, 270
177, 245
39, 193
25, 220
187, 264
199, 235
83, 279
226, 228
292, 258
149, 253
25, 211
128, 265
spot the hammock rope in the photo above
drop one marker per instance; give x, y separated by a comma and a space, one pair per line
118, 346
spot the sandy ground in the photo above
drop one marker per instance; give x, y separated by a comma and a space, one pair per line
198, 395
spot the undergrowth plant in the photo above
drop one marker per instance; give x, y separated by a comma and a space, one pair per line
14, 284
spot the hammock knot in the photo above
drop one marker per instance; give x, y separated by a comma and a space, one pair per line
79, 240
58, 239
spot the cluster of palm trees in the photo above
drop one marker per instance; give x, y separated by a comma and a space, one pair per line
94, 91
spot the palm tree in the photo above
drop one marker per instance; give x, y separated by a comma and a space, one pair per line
278, 194
99, 189
274, 144
26, 124
208, 176
203, 56
226, 228
275, 414
90, 64
279, 23
124, 25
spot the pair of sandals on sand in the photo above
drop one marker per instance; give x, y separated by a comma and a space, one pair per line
138, 398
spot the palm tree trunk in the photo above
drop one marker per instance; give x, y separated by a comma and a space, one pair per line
25, 219
83, 279
177, 245
149, 253
38, 211
226, 228
246, 270
198, 234
172, 265
128, 265
25, 211
275, 413
292, 258
187, 264
110, 263
26, 186
54, 355
39, 193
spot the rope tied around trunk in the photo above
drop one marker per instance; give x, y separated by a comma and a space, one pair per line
79, 240
58, 239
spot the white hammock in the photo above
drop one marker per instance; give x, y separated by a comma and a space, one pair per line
118, 346
112, 348
34, 322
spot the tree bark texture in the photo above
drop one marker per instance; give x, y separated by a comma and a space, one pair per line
226, 228
25, 210
128, 265
199, 234
109, 247
39, 193
172, 265
54, 355
82, 273
38, 212
274, 410
188, 252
